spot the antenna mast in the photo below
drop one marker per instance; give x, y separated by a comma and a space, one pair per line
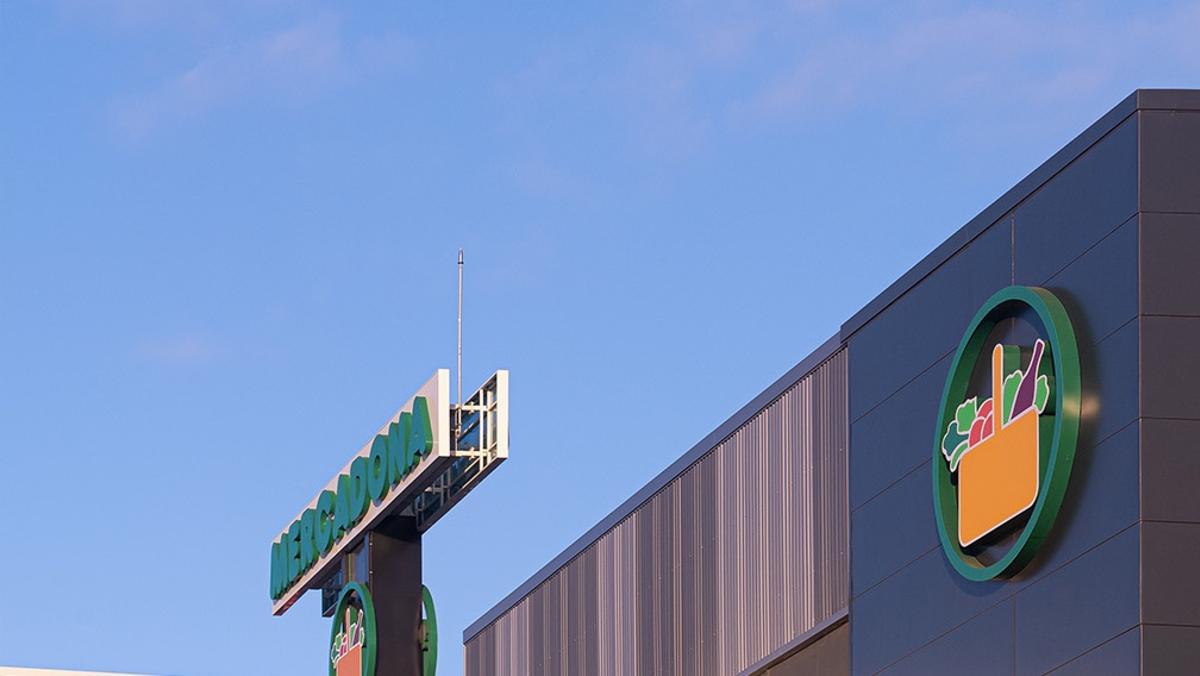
460, 295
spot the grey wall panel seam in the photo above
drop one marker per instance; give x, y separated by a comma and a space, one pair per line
1138, 201
899, 569
1114, 637
946, 633
1013, 628
903, 385
1141, 345
1134, 421
1135, 627
1116, 330
1124, 222
1051, 573
907, 473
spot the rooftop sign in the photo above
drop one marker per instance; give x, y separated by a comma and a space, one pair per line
419, 463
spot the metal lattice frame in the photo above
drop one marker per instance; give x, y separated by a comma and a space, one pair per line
479, 443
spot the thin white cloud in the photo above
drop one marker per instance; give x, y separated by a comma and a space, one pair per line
386, 51
706, 71
133, 15
293, 64
189, 18
189, 349
976, 56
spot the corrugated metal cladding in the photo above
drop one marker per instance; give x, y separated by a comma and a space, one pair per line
738, 555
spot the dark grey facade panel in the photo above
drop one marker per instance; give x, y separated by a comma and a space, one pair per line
885, 523
1111, 386
1171, 592
1100, 287
1102, 500
829, 655
893, 439
1170, 364
731, 560
1170, 144
1079, 606
1119, 656
1169, 650
983, 645
1170, 276
1170, 469
920, 603
1072, 212
1171, 367
1176, 100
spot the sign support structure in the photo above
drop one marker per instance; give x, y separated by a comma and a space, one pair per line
359, 539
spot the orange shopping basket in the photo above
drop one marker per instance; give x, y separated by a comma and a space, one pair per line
349, 662
998, 477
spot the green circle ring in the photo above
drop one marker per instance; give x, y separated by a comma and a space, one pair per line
1060, 337
369, 613
430, 649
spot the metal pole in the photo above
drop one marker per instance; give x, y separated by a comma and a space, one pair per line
460, 295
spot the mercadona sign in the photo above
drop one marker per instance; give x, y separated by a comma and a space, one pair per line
386, 470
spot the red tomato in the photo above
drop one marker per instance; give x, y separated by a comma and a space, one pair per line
983, 426
976, 434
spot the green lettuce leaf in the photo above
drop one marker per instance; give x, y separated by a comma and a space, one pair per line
1012, 383
964, 415
954, 444
1041, 393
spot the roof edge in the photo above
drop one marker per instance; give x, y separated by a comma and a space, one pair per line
643, 494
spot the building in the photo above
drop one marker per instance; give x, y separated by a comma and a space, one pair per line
989, 468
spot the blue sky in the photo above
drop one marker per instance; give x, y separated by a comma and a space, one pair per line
227, 241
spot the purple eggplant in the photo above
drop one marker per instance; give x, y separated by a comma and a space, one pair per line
1025, 393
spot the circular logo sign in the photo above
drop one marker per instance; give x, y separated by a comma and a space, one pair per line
428, 636
1006, 432
352, 641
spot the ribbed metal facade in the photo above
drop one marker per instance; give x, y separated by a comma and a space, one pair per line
741, 553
